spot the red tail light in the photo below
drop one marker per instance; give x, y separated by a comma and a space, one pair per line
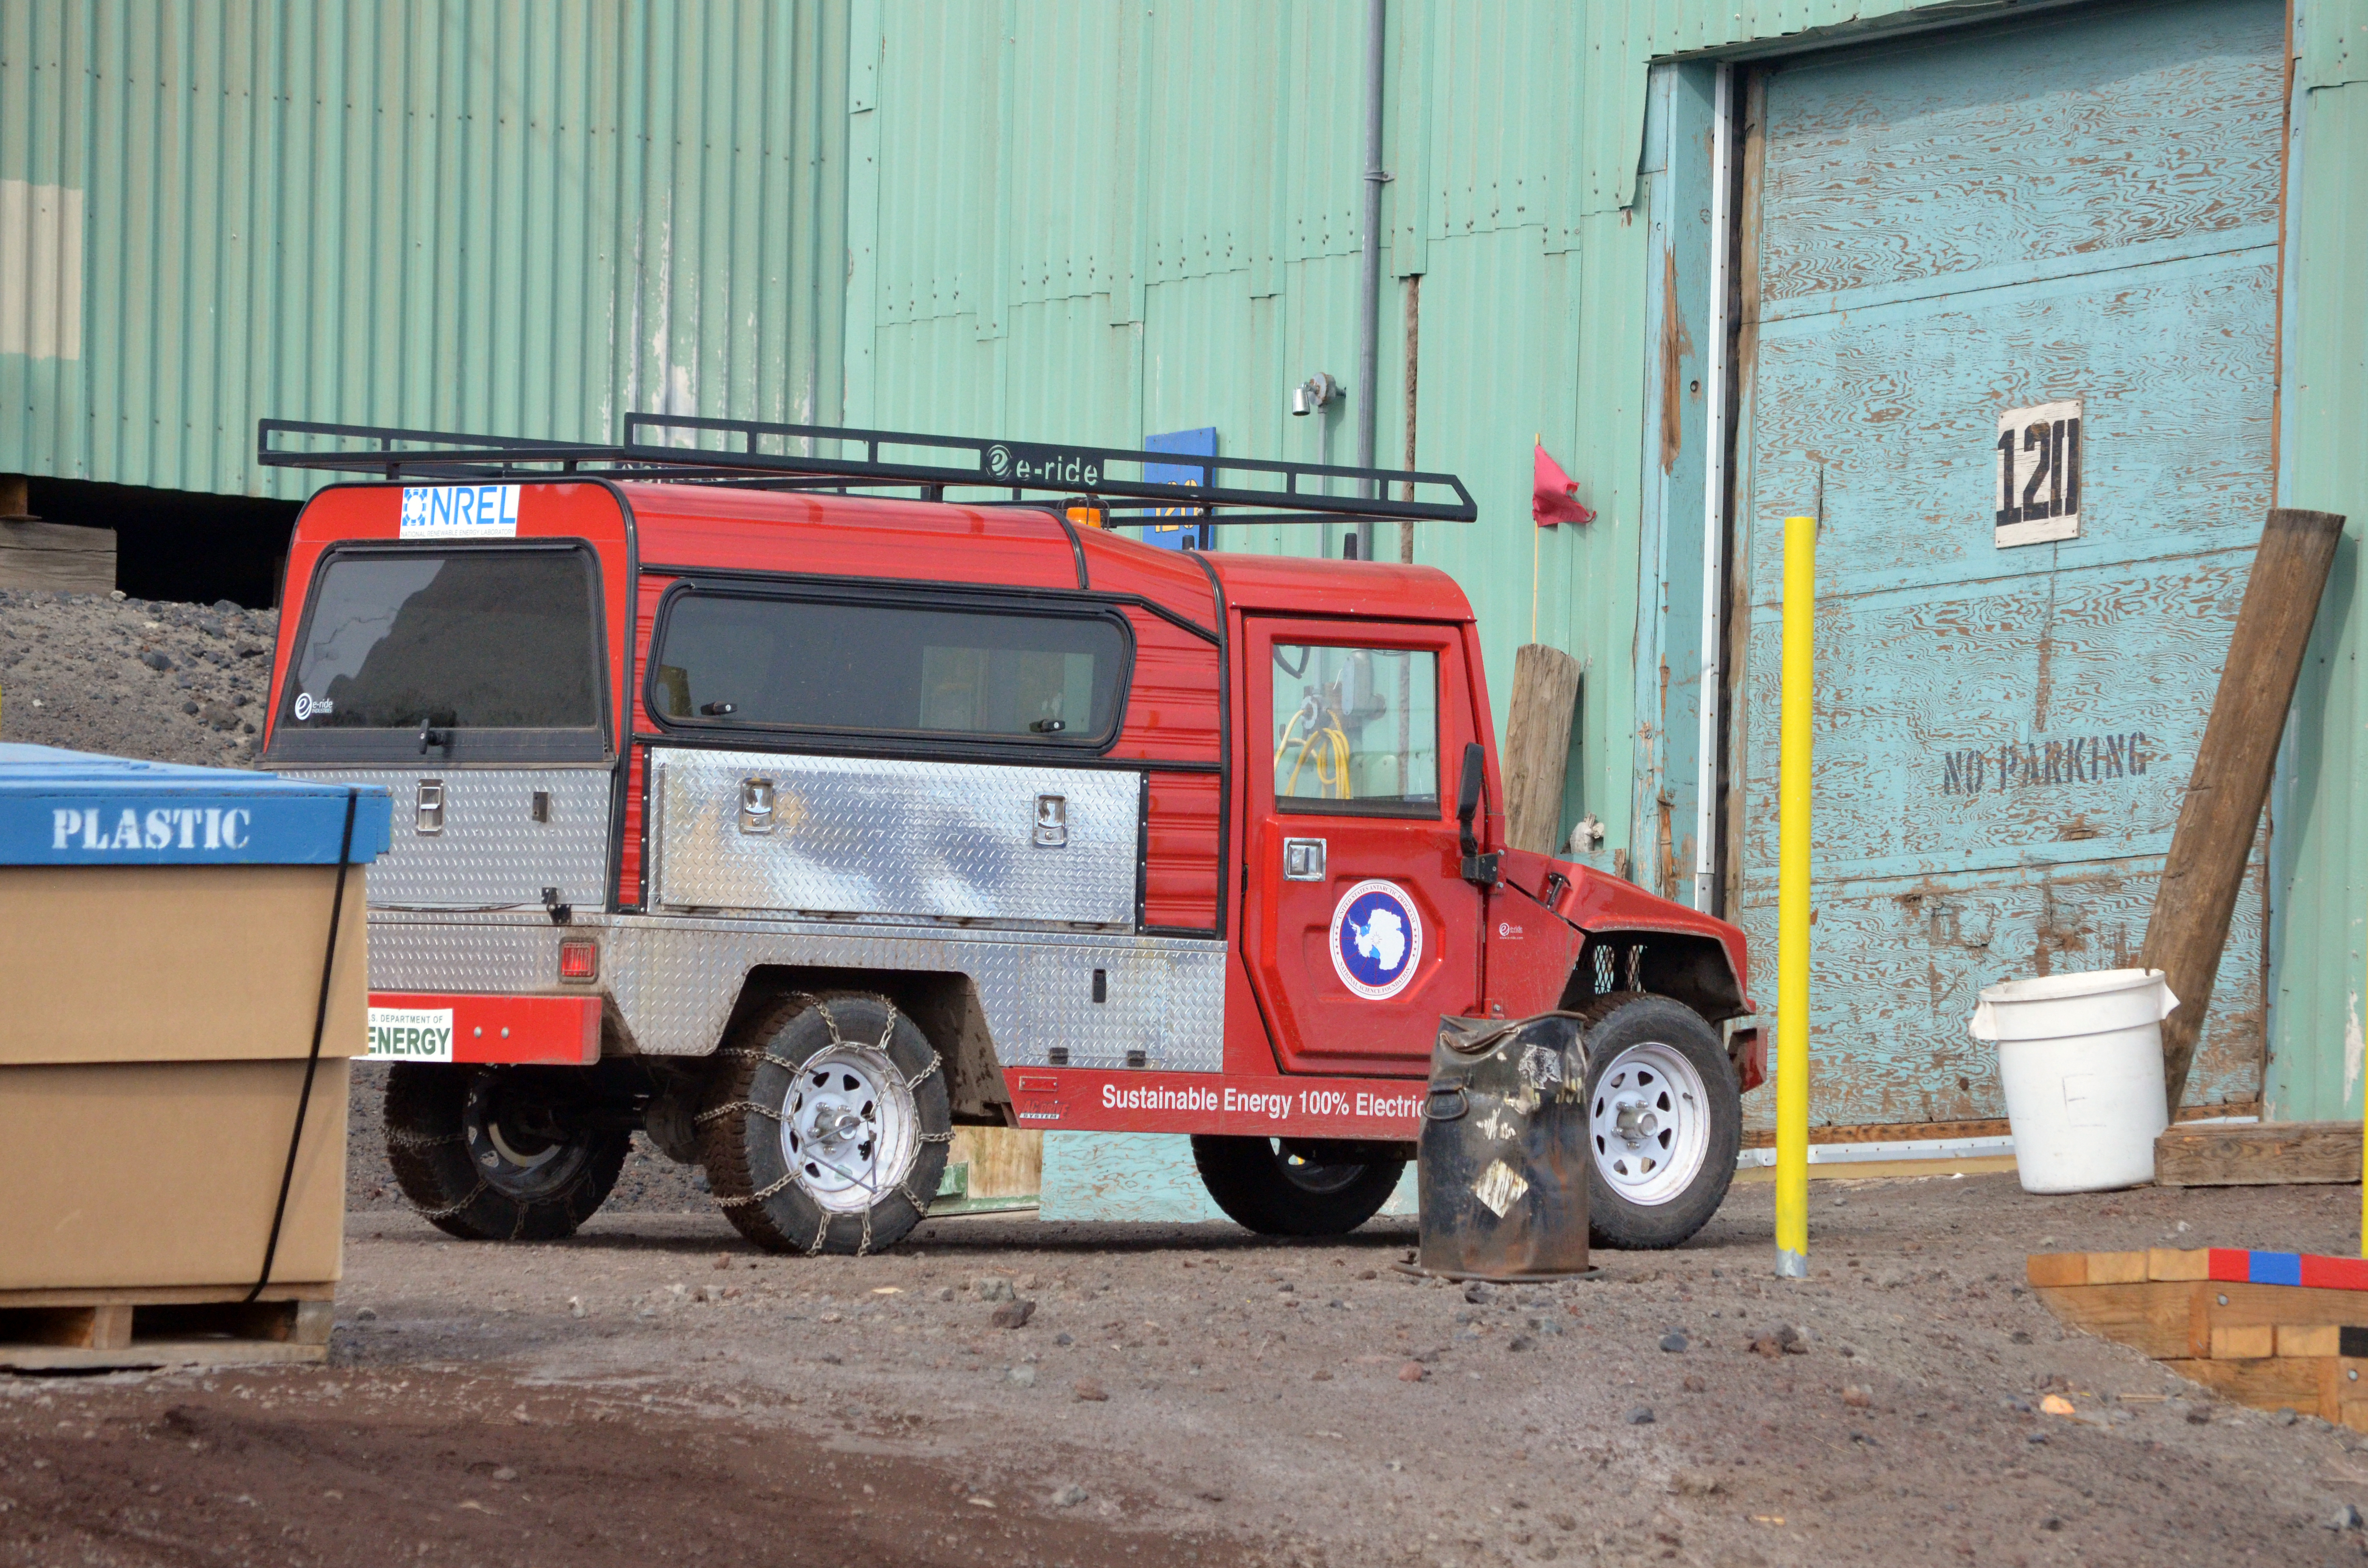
579, 958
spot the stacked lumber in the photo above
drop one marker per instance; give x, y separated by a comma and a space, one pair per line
2259, 1153
2272, 1330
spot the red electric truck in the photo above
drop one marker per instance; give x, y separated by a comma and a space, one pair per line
753, 794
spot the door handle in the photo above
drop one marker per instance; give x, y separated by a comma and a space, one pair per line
1303, 860
756, 805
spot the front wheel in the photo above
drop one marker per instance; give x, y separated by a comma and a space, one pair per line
1665, 1121
496, 1154
1269, 1187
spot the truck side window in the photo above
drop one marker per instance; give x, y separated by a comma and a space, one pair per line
1356, 729
749, 661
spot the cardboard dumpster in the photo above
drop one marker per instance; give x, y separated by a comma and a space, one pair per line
168, 987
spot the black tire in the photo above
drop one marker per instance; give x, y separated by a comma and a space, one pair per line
1619, 1024
479, 1152
763, 1099
1263, 1189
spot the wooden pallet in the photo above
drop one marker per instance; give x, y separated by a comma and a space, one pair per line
96, 1330
2261, 1154
2270, 1330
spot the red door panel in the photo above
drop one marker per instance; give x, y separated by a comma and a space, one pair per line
1360, 929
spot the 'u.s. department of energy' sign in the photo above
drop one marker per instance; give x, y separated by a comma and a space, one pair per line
410, 1034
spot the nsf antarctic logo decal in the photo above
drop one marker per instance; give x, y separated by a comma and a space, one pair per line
1376, 940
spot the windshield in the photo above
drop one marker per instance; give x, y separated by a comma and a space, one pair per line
463, 639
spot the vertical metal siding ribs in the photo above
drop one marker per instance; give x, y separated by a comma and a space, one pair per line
519, 219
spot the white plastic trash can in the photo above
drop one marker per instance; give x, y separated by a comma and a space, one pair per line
2080, 1058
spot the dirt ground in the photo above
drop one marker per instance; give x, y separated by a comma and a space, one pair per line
653, 1390
136, 677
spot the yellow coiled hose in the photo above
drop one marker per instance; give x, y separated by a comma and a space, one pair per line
1327, 742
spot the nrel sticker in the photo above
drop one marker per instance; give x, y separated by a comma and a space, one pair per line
460, 511
410, 1034
1376, 940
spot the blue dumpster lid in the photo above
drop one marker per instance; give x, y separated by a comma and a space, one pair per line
71, 808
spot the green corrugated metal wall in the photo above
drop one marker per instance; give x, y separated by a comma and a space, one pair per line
502, 217
1099, 222
1087, 222
2319, 809
1173, 244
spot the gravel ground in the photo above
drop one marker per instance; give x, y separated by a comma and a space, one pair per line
1191, 1388
653, 1390
136, 677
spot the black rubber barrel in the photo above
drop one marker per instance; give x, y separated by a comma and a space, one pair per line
1503, 1160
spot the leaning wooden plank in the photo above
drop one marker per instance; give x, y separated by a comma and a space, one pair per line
2225, 788
2150, 1317
2265, 1153
1537, 744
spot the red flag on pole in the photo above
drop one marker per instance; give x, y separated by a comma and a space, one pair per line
1553, 495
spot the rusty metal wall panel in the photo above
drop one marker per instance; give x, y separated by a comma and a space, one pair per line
520, 218
2004, 732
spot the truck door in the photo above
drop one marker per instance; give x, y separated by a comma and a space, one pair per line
1358, 927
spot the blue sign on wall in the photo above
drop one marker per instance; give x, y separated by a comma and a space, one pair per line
1180, 535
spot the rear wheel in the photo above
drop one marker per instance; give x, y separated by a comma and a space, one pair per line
1665, 1121
1270, 1187
487, 1154
827, 1128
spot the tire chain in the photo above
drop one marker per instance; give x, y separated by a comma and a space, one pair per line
822, 1231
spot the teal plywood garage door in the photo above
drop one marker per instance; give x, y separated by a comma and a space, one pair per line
2053, 243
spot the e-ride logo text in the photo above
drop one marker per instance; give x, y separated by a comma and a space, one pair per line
1376, 940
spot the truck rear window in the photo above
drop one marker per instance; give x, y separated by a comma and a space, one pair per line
500, 647
1007, 675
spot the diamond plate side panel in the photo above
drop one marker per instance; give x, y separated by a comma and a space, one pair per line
928, 840
407, 953
492, 853
675, 981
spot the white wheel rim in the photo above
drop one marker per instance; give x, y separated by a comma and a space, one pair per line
848, 1129
1649, 1123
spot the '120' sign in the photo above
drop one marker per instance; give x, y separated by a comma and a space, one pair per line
2038, 473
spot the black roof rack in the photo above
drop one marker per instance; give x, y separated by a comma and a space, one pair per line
679, 449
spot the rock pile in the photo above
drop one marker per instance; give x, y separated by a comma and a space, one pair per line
136, 677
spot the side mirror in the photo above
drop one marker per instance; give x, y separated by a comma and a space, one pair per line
1479, 870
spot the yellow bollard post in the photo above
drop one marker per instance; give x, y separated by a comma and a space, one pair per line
1792, 902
